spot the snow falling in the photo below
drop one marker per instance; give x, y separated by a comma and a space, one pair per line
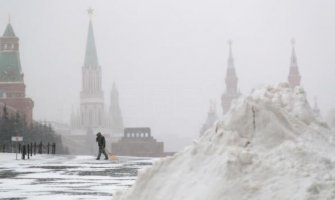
185, 99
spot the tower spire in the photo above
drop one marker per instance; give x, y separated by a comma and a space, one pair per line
211, 117
91, 58
230, 43
293, 54
294, 75
9, 32
316, 107
230, 56
90, 12
92, 96
231, 81
115, 111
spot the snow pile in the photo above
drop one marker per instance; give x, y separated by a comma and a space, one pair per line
269, 146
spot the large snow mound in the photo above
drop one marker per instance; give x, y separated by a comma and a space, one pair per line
270, 145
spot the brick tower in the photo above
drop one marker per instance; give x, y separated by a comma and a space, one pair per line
231, 80
12, 87
294, 75
91, 95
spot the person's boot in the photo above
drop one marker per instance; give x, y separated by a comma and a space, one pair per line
98, 158
106, 158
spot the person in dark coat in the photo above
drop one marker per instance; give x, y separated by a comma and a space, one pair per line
102, 144
24, 152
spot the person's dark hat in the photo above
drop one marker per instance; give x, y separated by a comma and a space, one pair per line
98, 133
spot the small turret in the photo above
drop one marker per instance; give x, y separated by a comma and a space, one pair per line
211, 118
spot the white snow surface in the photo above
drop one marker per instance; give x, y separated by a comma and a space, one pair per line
288, 154
66, 176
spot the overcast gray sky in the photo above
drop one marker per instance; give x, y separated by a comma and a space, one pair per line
168, 57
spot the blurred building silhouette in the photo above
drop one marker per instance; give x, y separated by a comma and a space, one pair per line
92, 113
212, 117
294, 74
316, 108
138, 142
231, 80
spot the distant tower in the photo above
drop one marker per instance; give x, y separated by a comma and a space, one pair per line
115, 111
316, 109
91, 95
231, 91
294, 75
211, 118
12, 87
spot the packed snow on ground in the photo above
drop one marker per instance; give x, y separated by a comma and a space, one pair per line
66, 177
269, 146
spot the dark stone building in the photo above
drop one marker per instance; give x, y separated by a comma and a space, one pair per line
138, 142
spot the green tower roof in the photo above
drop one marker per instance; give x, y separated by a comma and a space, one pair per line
9, 32
10, 67
91, 58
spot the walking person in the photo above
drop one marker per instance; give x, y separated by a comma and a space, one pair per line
48, 147
28, 151
24, 152
40, 148
31, 149
102, 144
53, 148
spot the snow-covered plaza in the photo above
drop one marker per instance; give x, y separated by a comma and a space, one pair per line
66, 177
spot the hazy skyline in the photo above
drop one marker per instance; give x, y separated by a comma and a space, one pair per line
168, 58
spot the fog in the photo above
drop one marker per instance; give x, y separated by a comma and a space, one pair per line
168, 58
